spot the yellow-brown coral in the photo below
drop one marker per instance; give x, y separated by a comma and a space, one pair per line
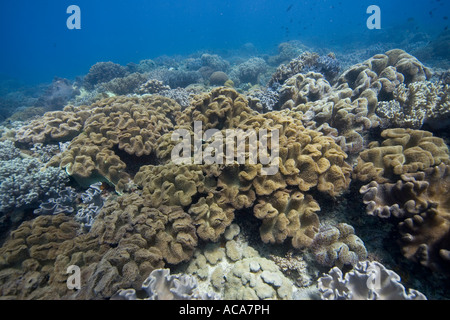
402, 151
288, 214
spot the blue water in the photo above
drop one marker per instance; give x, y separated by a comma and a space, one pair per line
36, 45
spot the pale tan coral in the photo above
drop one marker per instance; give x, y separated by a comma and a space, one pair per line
236, 185
288, 214
307, 158
402, 151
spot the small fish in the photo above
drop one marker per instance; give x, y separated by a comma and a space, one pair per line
445, 18
289, 8
446, 28
411, 19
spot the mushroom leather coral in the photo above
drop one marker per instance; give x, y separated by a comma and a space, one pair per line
402, 151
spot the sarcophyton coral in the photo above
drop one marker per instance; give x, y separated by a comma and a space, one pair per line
418, 103
336, 114
338, 246
307, 158
420, 201
347, 110
302, 88
167, 234
173, 184
116, 133
27, 259
188, 186
53, 126
288, 214
367, 281
383, 73
127, 241
402, 151
221, 108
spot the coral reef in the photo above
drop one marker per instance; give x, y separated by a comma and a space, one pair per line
383, 73
302, 88
256, 279
295, 66
64, 203
263, 100
237, 272
367, 281
92, 203
28, 258
198, 212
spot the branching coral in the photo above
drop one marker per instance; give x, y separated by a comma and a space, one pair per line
418, 103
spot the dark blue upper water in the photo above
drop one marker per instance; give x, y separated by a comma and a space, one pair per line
36, 44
